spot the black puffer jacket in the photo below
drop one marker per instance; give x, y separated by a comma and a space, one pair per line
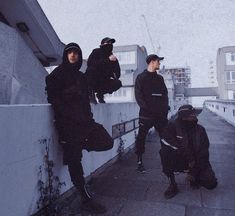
100, 68
151, 95
191, 143
67, 91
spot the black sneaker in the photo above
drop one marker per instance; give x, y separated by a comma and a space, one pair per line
100, 98
93, 207
171, 191
93, 99
141, 168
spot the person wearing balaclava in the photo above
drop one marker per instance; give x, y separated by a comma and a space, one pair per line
67, 91
185, 148
103, 71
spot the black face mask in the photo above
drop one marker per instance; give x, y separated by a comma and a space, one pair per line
107, 48
189, 124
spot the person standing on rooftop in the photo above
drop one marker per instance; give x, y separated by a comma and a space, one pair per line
152, 97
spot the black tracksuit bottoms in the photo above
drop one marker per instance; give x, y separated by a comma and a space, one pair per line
173, 161
144, 126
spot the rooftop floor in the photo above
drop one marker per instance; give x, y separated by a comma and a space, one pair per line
125, 192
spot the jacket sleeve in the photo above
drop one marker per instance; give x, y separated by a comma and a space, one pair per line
165, 93
54, 93
116, 70
173, 140
169, 136
95, 63
94, 60
201, 156
139, 94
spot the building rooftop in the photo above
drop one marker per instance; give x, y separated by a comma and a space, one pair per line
125, 192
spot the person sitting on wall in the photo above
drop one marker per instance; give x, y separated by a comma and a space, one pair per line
103, 71
185, 148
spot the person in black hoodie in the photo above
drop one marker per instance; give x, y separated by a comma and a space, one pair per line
152, 96
185, 148
103, 71
67, 91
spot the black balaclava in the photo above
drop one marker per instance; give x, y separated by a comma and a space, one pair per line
190, 124
187, 116
107, 49
76, 66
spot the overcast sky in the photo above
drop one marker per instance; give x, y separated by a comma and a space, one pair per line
189, 32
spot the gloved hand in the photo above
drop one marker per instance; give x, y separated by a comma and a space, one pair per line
192, 181
191, 164
190, 178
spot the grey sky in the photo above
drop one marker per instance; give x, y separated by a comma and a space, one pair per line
188, 31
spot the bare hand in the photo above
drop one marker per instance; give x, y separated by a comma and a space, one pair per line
112, 58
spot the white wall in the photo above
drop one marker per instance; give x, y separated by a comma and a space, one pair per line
22, 131
223, 108
22, 77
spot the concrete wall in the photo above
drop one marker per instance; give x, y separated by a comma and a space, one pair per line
21, 74
223, 108
24, 132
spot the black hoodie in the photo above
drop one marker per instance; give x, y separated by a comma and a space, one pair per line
151, 95
67, 90
99, 68
192, 143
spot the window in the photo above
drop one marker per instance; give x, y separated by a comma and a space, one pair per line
230, 58
125, 58
233, 56
230, 77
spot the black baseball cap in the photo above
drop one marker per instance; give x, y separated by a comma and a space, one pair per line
107, 40
72, 46
153, 57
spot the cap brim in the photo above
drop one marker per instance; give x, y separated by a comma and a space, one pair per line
72, 48
160, 58
111, 40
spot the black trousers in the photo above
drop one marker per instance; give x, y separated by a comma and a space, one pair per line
71, 136
144, 126
174, 161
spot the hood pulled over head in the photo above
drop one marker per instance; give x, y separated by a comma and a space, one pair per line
75, 47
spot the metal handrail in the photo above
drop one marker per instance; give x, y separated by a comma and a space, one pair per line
120, 129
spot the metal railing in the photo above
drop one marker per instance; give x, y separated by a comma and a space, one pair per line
123, 128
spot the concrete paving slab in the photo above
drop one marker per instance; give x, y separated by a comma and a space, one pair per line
220, 198
151, 175
113, 205
226, 156
132, 208
186, 195
126, 192
225, 174
229, 146
195, 211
